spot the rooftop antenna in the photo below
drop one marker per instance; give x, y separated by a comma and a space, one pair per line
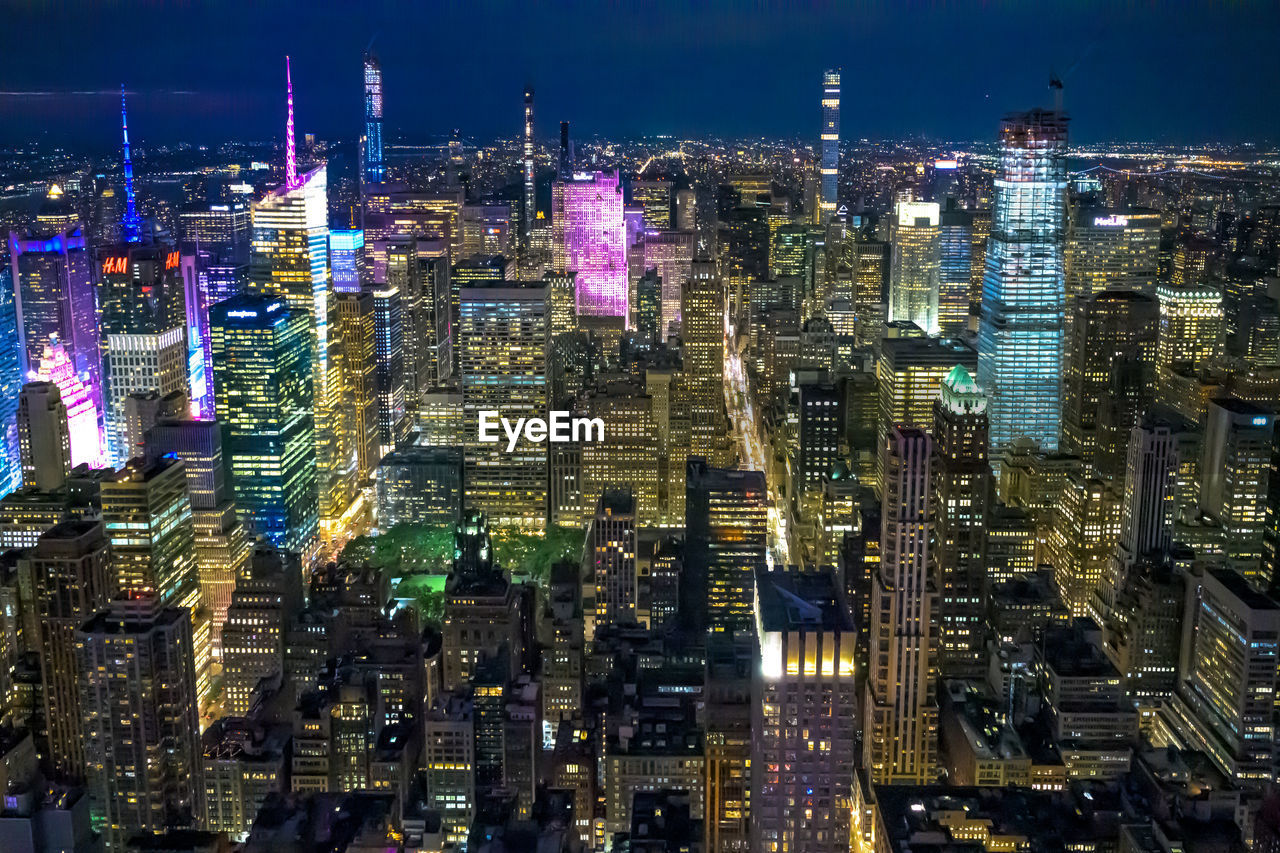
290, 151
1055, 86
131, 226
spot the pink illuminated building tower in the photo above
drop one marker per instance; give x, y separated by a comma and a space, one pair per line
82, 413
588, 234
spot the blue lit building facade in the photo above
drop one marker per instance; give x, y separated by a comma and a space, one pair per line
346, 259
829, 187
10, 385
1020, 336
264, 397
375, 171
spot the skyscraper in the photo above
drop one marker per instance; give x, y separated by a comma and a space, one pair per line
725, 544
357, 330
804, 719
10, 385
1234, 479
915, 264
900, 707
141, 718
612, 554
262, 385
502, 365
588, 237
71, 580
702, 332
1020, 334
289, 258
131, 222
374, 170
530, 188
266, 598
961, 482
829, 165
43, 439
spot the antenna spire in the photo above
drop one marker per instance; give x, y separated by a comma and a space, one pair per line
290, 150
131, 226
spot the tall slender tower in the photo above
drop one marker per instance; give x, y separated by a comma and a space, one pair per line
131, 225
375, 171
900, 743
828, 187
1023, 297
530, 202
290, 149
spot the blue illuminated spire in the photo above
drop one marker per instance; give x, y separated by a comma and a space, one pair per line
131, 225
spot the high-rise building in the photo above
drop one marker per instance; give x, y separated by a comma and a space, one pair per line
1111, 330
1224, 704
1234, 480
357, 331
71, 579
612, 553
374, 169
502, 362
805, 719
146, 510
820, 429
1111, 249
57, 368
141, 732
1191, 328
1082, 539
909, 374
655, 197
388, 373
141, 363
347, 260
529, 211
671, 254
262, 384
289, 259
11, 380
1020, 333
266, 598
43, 436
588, 237
702, 333
955, 270
829, 165
900, 713
961, 483
222, 546
727, 524
915, 240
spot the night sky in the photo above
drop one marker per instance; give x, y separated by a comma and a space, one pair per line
207, 72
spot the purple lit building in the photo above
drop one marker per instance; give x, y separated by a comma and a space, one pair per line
589, 238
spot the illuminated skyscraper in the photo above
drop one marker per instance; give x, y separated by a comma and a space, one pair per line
671, 254
1082, 540
530, 188
266, 598
141, 363
805, 720
1111, 249
289, 258
131, 222
222, 548
262, 384
357, 330
502, 367
961, 482
347, 260
146, 509
829, 168
43, 436
702, 333
374, 170
71, 580
1234, 479
141, 720
82, 415
655, 197
916, 262
10, 385
588, 237
955, 270
1191, 327
53, 295
1225, 704
900, 706
727, 520
1020, 334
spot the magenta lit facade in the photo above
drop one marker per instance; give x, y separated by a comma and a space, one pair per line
82, 413
589, 235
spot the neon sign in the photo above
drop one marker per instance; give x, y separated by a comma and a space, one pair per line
1115, 220
171, 261
115, 266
